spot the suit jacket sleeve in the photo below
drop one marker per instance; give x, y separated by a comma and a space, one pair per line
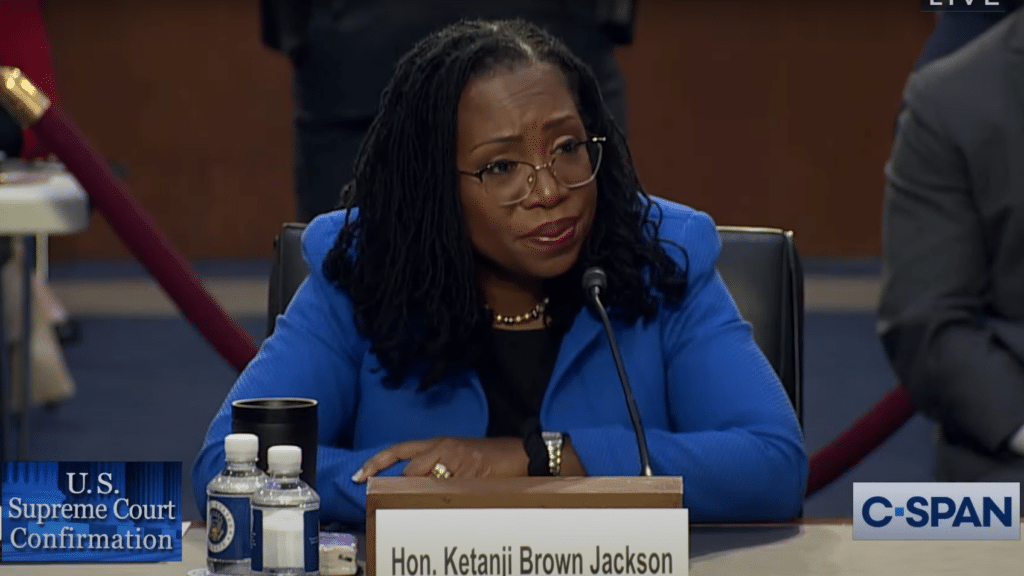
933, 318
954, 30
314, 352
283, 24
736, 440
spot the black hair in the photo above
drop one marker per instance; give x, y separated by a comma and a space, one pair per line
406, 260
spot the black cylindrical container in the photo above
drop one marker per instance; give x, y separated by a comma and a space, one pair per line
280, 421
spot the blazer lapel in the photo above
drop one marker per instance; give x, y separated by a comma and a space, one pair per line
586, 329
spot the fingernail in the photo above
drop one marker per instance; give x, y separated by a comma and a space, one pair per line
359, 476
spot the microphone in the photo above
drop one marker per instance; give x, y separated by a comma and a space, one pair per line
594, 282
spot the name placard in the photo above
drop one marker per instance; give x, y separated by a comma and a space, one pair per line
532, 541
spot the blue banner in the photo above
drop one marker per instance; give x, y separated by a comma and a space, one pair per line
91, 512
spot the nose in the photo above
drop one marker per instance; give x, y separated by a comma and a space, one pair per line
545, 189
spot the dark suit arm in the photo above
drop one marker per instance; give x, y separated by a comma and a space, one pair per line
10, 135
283, 24
954, 30
932, 316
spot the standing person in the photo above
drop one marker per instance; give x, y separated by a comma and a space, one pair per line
443, 329
344, 51
951, 316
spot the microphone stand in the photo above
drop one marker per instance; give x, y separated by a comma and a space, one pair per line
634, 414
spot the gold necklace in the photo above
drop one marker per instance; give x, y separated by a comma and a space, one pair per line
537, 312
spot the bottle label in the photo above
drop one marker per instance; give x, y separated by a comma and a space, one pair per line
228, 521
285, 538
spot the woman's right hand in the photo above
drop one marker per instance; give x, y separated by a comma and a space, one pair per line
463, 457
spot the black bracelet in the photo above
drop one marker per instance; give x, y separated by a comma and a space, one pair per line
535, 449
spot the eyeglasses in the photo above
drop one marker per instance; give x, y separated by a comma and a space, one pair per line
574, 164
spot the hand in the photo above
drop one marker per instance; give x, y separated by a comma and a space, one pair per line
465, 457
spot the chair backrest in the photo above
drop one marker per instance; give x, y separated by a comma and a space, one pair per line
287, 272
760, 266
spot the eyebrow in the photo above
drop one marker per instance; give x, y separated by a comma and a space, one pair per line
510, 138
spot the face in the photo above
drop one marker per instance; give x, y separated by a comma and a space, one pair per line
523, 115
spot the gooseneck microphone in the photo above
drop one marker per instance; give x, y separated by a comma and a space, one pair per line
595, 282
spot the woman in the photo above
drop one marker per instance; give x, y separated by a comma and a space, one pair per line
444, 321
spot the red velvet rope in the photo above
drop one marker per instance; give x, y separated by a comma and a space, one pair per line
866, 434
140, 233
173, 273
25, 44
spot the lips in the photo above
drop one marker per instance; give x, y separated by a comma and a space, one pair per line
552, 229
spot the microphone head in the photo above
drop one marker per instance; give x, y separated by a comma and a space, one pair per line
594, 277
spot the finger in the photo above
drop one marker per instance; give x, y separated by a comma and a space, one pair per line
459, 458
423, 463
390, 456
450, 452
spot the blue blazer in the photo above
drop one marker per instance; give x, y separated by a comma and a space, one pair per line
714, 410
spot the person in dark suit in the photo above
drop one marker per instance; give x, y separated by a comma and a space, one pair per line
951, 316
954, 30
344, 52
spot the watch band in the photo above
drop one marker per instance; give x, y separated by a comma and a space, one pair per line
536, 450
554, 441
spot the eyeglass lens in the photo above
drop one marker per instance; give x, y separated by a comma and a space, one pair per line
572, 167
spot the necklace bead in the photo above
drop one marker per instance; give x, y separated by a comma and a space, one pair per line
537, 312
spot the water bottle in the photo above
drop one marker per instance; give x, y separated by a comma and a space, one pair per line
228, 506
285, 519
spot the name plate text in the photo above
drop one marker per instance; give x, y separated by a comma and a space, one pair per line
532, 541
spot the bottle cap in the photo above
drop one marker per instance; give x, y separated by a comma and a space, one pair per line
284, 460
241, 447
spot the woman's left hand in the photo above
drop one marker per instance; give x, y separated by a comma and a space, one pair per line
464, 457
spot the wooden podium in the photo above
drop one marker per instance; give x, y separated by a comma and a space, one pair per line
532, 492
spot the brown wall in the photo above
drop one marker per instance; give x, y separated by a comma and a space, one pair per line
185, 96
773, 112
762, 112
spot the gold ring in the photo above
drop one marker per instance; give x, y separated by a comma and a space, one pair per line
441, 472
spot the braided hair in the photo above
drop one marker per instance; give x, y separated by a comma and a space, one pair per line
406, 260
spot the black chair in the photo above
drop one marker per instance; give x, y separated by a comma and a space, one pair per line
287, 272
760, 266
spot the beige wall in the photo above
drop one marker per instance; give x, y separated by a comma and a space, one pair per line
762, 112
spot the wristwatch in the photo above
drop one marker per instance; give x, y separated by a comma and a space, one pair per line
553, 441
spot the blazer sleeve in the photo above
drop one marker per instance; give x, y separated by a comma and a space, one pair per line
735, 441
932, 315
314, 352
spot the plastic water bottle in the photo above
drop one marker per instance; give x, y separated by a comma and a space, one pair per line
285, 519
228, 506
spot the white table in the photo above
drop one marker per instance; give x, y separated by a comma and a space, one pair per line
805, 549
36, 200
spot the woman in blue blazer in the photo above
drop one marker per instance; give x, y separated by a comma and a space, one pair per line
443, 329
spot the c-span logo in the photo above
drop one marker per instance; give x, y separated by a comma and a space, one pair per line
936, 511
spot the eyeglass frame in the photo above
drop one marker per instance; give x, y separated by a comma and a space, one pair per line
479, 174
